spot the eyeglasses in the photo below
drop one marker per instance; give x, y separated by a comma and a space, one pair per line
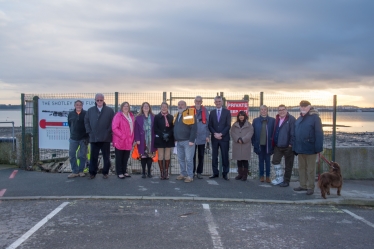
99, 100
281, 110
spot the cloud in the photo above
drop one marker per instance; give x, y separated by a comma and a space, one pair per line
161, 44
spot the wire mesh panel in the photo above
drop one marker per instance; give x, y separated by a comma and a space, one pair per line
208, 102
321, 103
135, 100
292, 101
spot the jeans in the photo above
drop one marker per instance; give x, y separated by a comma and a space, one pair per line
200, 148
264, 157
122, 157
95, 149
185, 154
82, 155
289, 157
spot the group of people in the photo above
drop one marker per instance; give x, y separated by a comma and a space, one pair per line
189, 130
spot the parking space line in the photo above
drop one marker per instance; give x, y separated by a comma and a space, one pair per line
2, 192
212, 227
37, 226
13, 174
358, 217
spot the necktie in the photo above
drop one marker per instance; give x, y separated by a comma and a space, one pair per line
218, 114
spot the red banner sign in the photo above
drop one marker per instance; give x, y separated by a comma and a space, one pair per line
236, 106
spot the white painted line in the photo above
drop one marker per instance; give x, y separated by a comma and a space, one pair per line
358, 217
212, 227
212, 182
37, 226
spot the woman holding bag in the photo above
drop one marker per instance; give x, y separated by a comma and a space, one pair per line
145, 137
123, 138
164, 139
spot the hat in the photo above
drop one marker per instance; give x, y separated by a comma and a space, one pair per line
304, 103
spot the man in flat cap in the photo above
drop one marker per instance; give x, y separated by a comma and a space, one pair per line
308, 143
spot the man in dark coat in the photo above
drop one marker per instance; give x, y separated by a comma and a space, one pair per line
98, 122
308, 143
78, 138
283, 135
219, 126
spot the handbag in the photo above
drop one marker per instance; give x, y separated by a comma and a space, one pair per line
135, 153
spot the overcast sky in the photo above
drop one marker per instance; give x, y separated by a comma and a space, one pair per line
106, 46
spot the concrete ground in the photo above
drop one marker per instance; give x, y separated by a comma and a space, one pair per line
48, 210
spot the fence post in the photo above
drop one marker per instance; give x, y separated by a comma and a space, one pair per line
220, 154
334, 129
116, 102
23, 156
261, 98
164, 97
35, 129
171, 99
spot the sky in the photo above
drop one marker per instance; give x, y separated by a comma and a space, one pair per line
309, 46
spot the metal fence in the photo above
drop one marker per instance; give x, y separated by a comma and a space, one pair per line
31, 154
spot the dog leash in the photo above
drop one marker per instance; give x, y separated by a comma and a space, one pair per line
324, 159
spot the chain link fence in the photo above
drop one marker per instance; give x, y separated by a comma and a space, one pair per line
31, 154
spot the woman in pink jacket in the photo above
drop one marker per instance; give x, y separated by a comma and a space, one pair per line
123, 138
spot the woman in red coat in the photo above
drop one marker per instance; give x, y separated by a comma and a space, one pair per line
123, 138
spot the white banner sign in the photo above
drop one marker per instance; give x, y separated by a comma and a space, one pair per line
54, 130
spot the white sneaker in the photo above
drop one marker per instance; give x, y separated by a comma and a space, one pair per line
81, 174
277, 181
72, 175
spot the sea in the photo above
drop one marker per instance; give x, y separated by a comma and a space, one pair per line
350, 122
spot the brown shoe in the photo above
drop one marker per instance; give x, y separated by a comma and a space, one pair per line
268, 180
188, 179
262, 179
181, 177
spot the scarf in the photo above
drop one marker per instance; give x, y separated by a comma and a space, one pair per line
166, 120
147, 126
203, 113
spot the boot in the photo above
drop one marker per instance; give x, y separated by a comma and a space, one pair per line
149, 164
162, 173
245, 174
240, 173
166, 174
278, 175
143, 161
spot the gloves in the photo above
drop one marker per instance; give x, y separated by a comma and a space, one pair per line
165, 137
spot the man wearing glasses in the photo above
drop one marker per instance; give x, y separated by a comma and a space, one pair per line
98, 122
283, 140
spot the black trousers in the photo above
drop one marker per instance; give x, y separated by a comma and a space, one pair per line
95, 150
199, 150
289, 158
122, 157
224, 146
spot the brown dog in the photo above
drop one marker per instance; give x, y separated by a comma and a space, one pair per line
331, 179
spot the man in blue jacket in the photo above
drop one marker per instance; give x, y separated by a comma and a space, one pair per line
263, 127
308, 142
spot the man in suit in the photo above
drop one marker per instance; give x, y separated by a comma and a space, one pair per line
219, 126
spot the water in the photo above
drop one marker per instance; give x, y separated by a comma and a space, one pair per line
357, 121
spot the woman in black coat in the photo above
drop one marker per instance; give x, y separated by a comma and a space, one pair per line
164, 139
